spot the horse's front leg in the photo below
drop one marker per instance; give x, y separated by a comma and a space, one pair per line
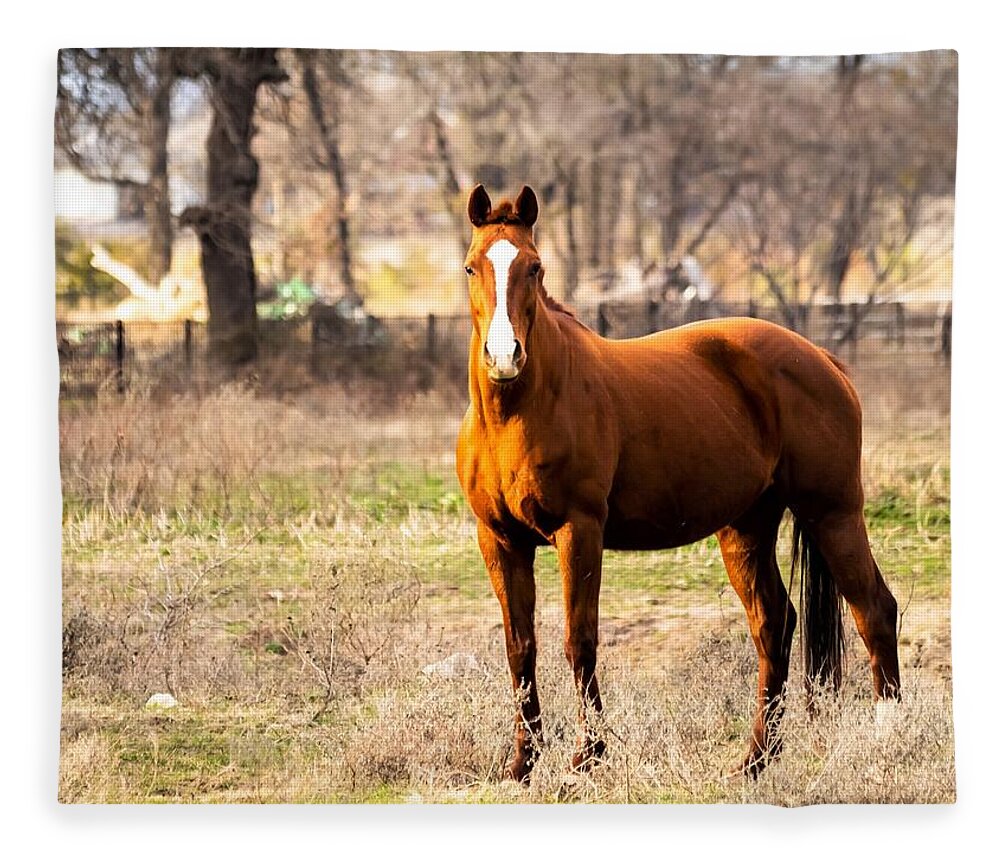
512, 574
580, 544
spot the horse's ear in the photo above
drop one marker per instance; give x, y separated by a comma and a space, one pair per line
479, 206
526, 206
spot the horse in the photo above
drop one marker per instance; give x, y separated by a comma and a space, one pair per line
715, 427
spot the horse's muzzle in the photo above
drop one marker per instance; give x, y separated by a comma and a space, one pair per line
504, 368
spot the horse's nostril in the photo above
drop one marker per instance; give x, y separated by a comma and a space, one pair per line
489, 359
517, 350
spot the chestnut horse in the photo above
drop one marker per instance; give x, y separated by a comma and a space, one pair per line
716, 427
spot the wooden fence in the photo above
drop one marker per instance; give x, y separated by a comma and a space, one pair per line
113, 355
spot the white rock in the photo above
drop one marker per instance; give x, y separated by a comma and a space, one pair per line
454, 666
161, 700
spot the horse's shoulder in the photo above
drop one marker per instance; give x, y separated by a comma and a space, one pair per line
468, 446
464, 432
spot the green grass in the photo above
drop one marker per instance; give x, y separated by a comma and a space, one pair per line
388, 490
910, 539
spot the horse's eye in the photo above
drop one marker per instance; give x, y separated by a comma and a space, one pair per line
535, 269
469, 271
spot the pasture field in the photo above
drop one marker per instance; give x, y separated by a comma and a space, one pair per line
287, 567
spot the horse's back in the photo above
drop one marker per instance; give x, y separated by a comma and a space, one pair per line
747, 388
781, 359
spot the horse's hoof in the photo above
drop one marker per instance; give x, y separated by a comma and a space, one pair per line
520, 769
590, 755
755, 761
520, 775
746, 771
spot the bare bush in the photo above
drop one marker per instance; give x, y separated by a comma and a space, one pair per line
352, 624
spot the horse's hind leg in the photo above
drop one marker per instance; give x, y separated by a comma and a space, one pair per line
748, 549
842, 540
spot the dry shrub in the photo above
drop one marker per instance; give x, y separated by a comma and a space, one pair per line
673, 736
85, 645
429, 735
161, 634
360, 628
349, 635
142, 452
856, 752
894, 383
136, 452
673, 732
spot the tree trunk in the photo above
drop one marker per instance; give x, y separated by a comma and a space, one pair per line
847, 234
572, 275
227, 260
637, 216
609, 246
847, 228
327, 127
450, 188
157, 190
594, 209
672, 207
223, 224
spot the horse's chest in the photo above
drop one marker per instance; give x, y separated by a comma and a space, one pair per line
534, 498
527, 492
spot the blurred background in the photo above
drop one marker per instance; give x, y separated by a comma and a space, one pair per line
213, 203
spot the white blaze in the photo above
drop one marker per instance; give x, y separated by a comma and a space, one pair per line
500, 336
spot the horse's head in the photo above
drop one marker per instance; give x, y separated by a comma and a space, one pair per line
505, 273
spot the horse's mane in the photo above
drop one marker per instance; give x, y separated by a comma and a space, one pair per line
552, 304
503, 213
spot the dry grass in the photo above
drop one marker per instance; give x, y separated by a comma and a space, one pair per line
286, 567
672, 734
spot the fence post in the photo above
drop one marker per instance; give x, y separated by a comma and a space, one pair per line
188, 345
314, 339
900, 325
602, 320
946, 336
432, 338
752, 309
120, 356
652, 316
854, 310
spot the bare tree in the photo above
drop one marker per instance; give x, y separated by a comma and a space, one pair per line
223, 223
859, 151
325, 115
795, 180
112, 125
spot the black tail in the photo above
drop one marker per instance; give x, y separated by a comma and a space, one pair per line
820, 607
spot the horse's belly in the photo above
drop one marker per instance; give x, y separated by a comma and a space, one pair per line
639, 533
664, 514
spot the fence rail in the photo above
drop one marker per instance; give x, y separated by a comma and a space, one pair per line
113, 355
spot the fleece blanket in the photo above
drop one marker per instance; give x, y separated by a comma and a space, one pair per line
504, 427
